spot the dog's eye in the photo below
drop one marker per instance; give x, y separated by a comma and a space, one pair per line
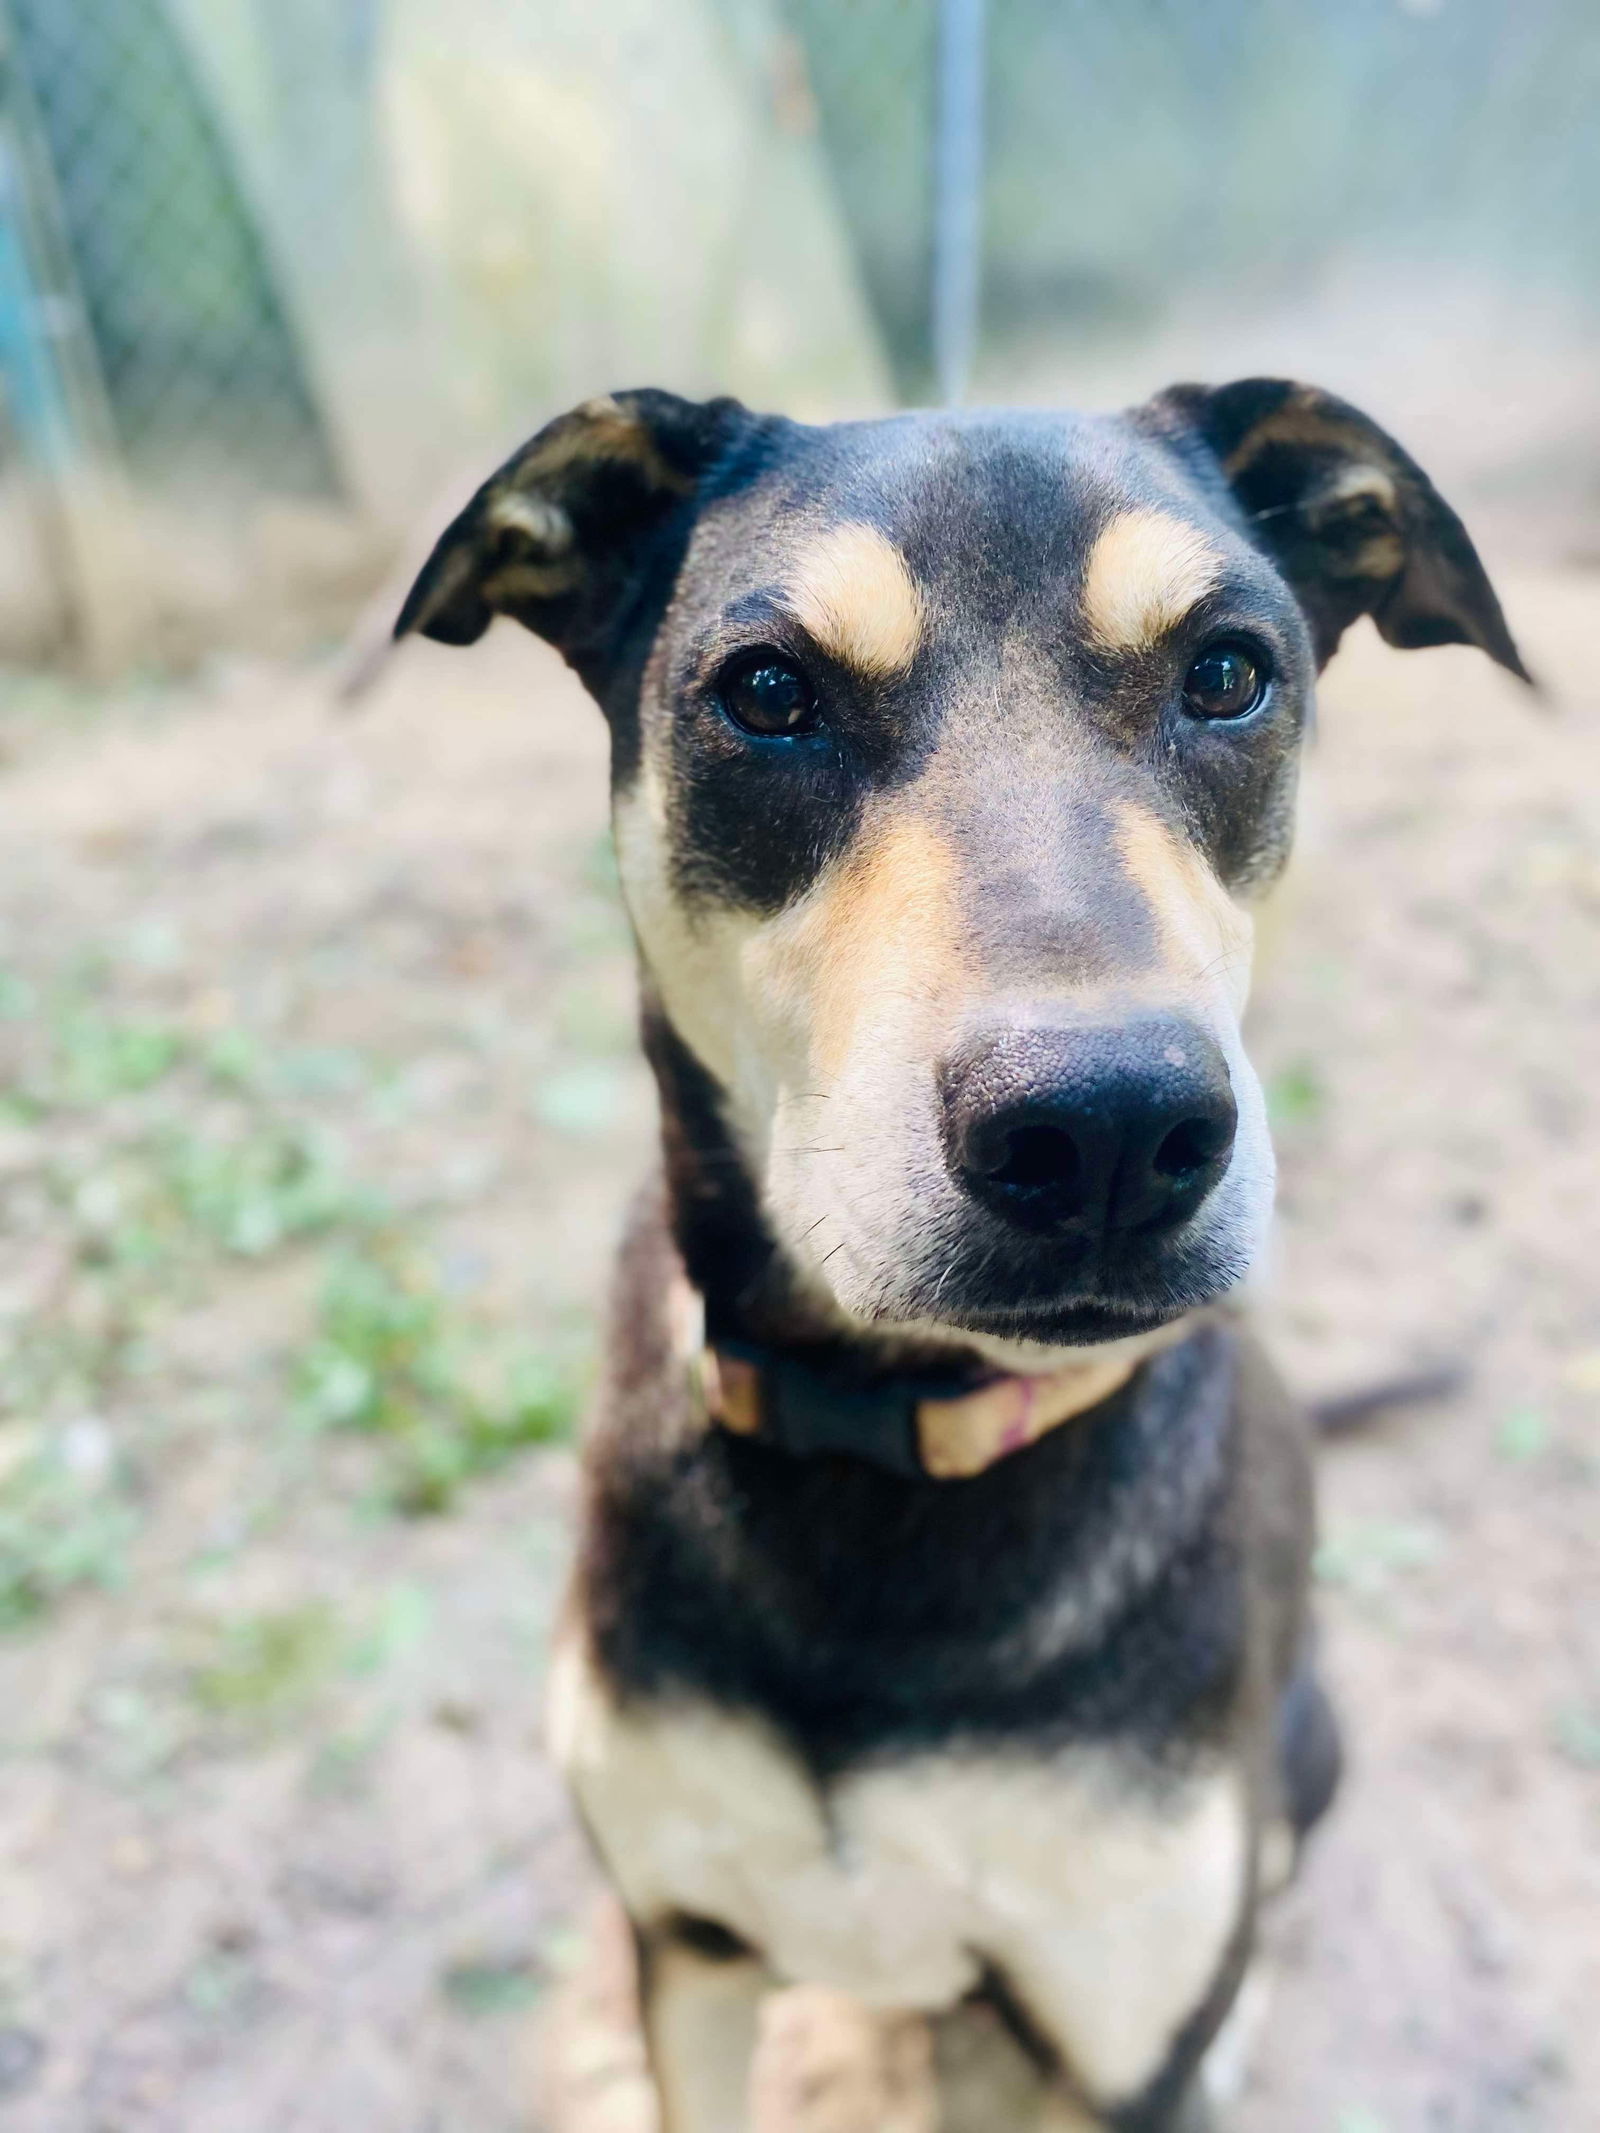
1226, 681
767, 694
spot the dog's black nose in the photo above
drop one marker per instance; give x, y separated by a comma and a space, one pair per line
1096, 1128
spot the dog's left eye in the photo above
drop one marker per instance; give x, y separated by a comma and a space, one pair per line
767, 694
1226, 681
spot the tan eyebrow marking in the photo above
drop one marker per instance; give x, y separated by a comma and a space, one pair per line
852, 589
1145, 571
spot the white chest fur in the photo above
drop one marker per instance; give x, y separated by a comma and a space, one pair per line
1107, 1903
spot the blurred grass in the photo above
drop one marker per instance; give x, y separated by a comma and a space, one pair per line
147, 1164
1575, 1731
59, 1529
491, 1988
396, 1360
260, 1671
1367, 1556
1297, 1097
1523, 1436
264, 1663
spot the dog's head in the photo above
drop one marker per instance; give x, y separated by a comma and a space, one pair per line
950, 751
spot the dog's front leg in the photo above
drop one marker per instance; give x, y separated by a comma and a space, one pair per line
701, 2011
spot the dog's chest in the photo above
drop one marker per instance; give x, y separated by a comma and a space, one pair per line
1107, 1899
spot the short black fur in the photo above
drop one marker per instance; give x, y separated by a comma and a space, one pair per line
865, 1615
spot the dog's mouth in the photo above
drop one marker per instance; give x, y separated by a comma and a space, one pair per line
1089, 1322
1069, 1325
993, 1281
1110, 1295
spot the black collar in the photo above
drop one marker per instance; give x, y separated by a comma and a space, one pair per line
806, 1409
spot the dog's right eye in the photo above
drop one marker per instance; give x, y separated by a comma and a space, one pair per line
767, 694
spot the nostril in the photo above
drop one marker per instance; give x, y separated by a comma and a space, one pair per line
1037, 1157
1189, 1146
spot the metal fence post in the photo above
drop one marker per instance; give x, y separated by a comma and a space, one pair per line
957, 194
52, 401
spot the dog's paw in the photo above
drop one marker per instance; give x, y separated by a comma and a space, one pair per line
595, 2075
827, 2064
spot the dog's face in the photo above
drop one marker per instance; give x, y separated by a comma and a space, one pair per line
951, 751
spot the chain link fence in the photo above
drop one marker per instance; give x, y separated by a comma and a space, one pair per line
1155, 161
194, 345
235, 228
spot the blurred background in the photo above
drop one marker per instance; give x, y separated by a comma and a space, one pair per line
320, 1100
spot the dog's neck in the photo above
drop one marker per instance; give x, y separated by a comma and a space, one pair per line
753, 1309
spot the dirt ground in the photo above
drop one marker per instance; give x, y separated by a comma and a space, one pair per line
320, 1105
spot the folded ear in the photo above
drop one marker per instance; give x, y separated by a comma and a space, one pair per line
568, 531
1348, 516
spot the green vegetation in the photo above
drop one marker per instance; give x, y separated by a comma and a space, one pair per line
145, 1165
267, 1670
98, 1058
1296, 1097
491, 1988
250, 1197
1524, 1436
269, 1663
1367, 1555
59, 1528
396, 1361
1576, 1734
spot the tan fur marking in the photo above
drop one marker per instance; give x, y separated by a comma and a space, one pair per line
852, 590
1303, 419
544, 523
702, 2026
880, 926
1349, 484
600, 428
594, 2068
525, 500
1145, 572
1205, 936
826, 2064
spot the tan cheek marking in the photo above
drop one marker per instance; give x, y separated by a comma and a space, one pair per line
693, 966
880, 934
1205, 936
852, 590
1144, 573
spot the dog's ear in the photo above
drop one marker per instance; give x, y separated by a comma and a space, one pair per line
563, 536
1347, 515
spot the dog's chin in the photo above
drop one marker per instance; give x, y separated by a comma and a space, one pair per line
1037, 1299
1088, 1323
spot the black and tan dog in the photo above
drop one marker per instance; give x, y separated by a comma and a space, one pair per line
939, 1629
